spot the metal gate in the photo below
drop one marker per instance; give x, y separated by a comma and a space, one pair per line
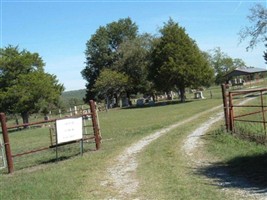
48, 145
232, 117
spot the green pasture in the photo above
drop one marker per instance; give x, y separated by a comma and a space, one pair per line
163, 171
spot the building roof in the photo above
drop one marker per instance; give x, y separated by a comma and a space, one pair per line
245, 71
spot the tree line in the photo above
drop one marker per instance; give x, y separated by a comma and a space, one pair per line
119, 61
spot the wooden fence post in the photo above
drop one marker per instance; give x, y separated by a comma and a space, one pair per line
6, 143
95, 124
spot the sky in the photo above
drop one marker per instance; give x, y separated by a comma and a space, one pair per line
58, 30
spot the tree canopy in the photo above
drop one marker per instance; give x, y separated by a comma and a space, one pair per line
257, 31
102, 50
222, 64
177, 61
111, 83
25, 87
133, 61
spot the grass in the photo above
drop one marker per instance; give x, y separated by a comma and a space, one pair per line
240, 158
164, 173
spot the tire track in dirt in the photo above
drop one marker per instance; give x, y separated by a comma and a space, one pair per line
193, 141
121, 176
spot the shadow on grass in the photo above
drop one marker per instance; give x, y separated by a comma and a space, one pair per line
247, 172
55, 160
161, 103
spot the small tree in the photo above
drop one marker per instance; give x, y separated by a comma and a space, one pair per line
111, 84
177, 62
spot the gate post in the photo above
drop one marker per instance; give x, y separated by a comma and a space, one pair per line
231, 113
95, 124
6, 143
225, 107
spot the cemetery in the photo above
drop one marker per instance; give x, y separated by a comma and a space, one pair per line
115, 100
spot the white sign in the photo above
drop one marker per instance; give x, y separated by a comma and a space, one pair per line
69, 129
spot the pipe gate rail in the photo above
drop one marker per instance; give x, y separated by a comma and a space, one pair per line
7, 143
229, 108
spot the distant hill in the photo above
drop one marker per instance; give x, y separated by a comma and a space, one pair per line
74, 94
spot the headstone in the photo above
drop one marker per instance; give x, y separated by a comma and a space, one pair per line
125, 102
199, 95
140, 102
151, 103
75, 110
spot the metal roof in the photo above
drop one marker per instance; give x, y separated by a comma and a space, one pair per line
245, 71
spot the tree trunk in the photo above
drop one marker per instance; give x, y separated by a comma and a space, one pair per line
25, 118
154, 97
107, 103
129, 99
116, 99
17, 120
182, 94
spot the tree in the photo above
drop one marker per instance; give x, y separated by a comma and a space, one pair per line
102, 50
25, 87
177, 62
257, 32
222, 64
111, 83
133, 61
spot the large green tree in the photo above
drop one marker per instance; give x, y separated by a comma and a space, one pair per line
24, 85
102, 50
177, 62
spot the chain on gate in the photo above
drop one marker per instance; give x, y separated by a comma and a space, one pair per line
2, 155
